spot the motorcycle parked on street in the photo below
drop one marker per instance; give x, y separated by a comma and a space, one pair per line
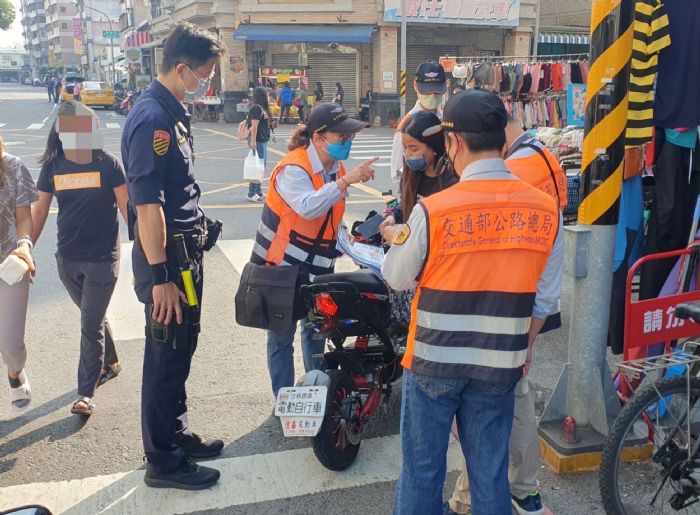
351, 311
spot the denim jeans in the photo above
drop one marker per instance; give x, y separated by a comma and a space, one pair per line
484, 413
255, 188
280, 355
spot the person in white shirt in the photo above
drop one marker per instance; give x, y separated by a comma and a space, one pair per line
430, 84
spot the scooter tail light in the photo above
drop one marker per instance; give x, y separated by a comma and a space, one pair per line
325, 305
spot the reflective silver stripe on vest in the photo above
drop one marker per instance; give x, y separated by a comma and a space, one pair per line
290, 250
469, 356
473, 323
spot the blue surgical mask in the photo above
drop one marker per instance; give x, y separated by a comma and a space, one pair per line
416, 163
339, 151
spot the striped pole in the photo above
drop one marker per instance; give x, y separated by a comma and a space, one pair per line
403, 84
606, 111
585, 390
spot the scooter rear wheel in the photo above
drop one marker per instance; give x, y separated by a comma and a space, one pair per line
331, 445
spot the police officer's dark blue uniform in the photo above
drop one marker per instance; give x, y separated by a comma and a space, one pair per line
157, 150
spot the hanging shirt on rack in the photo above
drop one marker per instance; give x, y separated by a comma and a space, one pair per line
651, 35
677, 102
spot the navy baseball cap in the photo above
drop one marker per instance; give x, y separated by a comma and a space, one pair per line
332, 117
430, 78
475, 110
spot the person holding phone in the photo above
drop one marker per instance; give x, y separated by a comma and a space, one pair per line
305, 204
425, 172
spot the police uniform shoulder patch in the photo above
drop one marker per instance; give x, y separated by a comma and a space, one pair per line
161, 141
402, 236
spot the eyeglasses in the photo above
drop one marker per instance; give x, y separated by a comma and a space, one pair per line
343, 139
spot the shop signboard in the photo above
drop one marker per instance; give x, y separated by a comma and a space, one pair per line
133, 55
505, 13
575, 104
268, 71
77, 37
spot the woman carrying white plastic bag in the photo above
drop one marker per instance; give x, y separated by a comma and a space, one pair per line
254, 166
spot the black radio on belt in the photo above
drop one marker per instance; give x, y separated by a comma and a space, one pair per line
213, 231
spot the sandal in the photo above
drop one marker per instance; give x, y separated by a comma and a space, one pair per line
83, 406
20, 392
109, 372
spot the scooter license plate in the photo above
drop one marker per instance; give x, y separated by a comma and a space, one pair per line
301, 409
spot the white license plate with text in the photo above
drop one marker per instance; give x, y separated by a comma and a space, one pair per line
301, 409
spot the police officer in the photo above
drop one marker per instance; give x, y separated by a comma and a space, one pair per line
170, 235
479, 253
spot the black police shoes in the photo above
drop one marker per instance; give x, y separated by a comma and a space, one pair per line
187, 476
195, 446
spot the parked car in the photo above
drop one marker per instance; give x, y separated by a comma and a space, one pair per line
68, 85
97, 94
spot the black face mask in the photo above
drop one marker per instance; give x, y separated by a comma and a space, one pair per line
449, 163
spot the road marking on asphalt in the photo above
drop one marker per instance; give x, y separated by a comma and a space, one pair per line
376, 151
112, 125
35, 126
237, 252
125, 312
2, 125
244, 480
225, 188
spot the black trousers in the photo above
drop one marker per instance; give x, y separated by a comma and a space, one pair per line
163, 393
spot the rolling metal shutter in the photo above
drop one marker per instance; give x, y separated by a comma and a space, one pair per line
416, 54
285, 60
331, 68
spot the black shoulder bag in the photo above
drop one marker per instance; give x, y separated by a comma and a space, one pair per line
268, 296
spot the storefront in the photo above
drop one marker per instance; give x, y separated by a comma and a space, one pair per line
329, 54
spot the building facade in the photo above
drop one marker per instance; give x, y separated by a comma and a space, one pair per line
12, 62
33, 19
356, 42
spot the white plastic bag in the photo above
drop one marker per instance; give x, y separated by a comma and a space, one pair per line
253, 168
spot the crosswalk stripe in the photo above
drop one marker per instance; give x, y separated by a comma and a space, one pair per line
125, 312
2, 125
35, 126
112, 125
376, 151
244, 480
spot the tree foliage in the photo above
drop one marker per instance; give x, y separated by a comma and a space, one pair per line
7, 14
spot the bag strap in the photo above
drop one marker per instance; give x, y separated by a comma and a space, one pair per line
551, 170
319, 237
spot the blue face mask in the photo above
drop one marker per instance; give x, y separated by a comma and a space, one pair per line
339, 151
417, 163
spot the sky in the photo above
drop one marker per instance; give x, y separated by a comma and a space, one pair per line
8, 38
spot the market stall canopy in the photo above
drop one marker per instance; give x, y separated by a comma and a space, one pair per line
571, 39
305, 33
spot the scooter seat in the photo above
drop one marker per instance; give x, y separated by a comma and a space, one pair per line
364, 280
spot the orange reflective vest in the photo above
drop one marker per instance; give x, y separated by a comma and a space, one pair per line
285, 238
488, 244
535, 164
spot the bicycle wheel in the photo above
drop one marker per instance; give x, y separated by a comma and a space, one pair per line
653, 428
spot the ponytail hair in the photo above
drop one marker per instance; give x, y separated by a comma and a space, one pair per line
301, 138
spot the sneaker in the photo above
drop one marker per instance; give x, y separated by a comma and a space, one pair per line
252, 198
195, 446
530, 505
187, 476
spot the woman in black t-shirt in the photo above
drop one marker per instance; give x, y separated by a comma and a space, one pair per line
89, 185
259, 123
425, 171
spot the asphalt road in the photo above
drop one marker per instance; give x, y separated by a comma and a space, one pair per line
78, 467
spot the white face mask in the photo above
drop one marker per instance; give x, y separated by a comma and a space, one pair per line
199, 91
431, 102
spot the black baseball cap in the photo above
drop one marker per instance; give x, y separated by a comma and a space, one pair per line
475, 110
332, 117
430, 78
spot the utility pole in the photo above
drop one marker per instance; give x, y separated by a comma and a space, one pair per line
585, 398
402, 83
111, 40
536, 34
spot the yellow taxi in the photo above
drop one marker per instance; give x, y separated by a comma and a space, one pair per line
95, 93
68, 86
